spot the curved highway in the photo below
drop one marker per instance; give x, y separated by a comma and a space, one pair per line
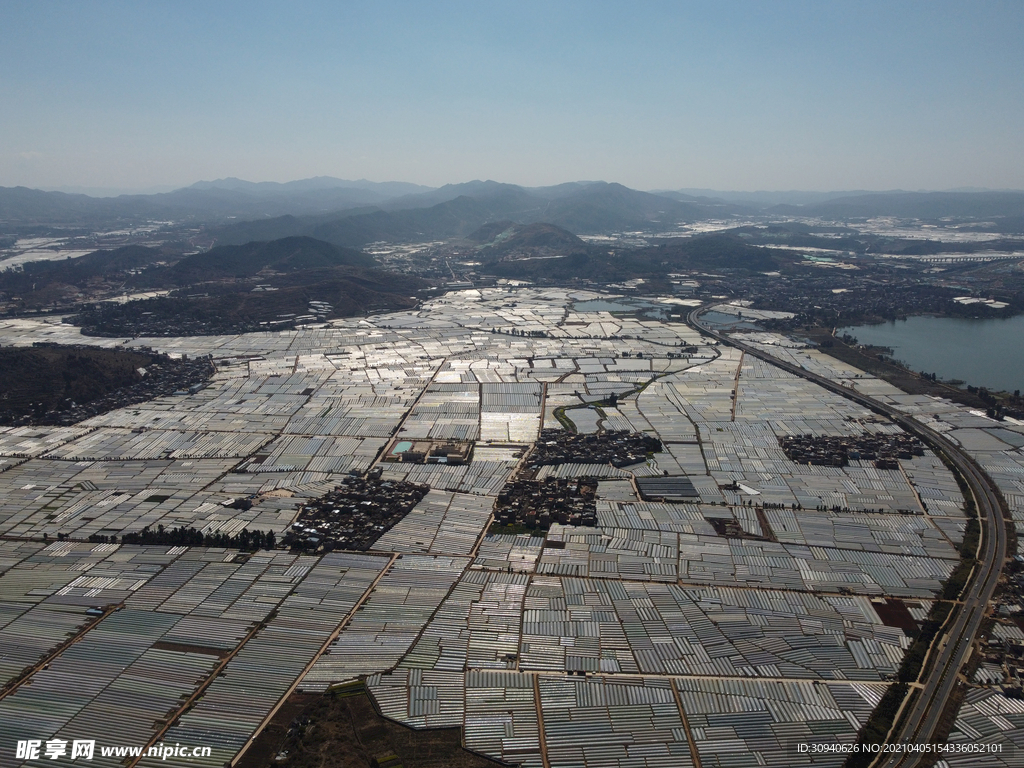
946, 660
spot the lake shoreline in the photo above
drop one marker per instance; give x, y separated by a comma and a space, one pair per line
987, 352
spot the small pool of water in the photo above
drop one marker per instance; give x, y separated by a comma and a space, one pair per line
721, 320
402, 447
585, 419
624, 306
612, 305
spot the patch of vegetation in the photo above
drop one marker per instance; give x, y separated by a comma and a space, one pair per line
46, 284
342, 729
957, 580
137, 267
228, 289
235, 307
287, 255
245, 540
54, 384
716, 251
972, 537
910, 668
878, 725
565, 421
510, 529
525, 238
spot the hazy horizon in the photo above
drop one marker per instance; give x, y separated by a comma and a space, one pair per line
791, 96
158, 189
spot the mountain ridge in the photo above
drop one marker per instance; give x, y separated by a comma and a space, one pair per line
240, 210
591, 208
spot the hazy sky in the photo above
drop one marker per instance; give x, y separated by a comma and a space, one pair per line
727, 95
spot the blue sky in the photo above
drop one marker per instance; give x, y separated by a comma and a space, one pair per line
725, 95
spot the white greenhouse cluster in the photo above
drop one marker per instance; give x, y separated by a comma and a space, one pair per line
650, 639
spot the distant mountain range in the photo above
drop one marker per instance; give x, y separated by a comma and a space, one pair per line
765, 198
204, 201
353, 213
385, 189
920, 205
459, 209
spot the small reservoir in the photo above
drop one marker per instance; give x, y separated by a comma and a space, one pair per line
623, 306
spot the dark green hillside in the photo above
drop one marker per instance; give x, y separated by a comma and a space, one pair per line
716, 251
81, 270
46, 375
263, 230
525, 237
614, 208
51, 384
44, 284
1011, 225
290, 254
228, 289
488, 232
479, 190
452, 218
237, 308
711, 252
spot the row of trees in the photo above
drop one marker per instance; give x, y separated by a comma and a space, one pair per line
245, 540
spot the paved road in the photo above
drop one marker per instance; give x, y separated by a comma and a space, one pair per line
919, 725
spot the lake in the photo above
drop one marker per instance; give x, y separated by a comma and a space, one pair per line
983, 353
